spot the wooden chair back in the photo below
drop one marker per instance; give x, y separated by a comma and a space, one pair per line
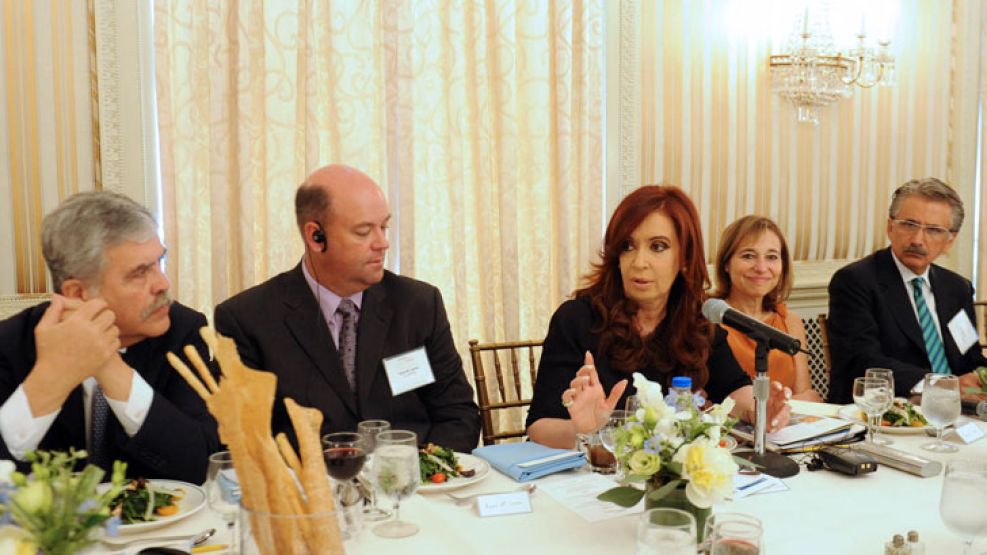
503, 391
818, 344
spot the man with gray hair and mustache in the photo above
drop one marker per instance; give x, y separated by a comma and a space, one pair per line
896, 309
88, 370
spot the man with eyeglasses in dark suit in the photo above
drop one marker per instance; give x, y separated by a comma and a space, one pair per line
897, 309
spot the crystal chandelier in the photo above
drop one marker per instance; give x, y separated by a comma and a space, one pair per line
813, 74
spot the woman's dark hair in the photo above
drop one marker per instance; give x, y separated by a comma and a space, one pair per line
685, 339
735, 235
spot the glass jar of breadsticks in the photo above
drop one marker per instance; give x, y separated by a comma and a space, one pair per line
287, 500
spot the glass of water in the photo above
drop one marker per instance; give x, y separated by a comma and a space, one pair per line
873, 396
962, 507
941, 407
666, 531
396, 474
369, 430
223, 488
887, 374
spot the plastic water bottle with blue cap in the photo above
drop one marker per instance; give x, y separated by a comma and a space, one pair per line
680, 394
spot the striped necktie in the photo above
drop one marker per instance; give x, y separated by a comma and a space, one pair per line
933, 343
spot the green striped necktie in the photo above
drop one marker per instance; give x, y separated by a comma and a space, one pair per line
933, 343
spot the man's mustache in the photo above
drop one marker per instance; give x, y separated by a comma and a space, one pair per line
916, 250
163, 299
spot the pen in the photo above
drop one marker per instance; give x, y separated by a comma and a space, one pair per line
209, 548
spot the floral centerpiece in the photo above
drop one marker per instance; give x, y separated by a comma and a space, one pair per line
55, 507
677, 455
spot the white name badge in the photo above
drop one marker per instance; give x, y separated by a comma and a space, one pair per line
963, 331
496, 504
409, 370
969, 432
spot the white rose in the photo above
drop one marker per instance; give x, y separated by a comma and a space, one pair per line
709, 469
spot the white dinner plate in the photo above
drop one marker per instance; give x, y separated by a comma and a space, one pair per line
192, 503
853, 413
468, 462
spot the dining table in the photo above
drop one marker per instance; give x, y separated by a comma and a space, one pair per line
817, 512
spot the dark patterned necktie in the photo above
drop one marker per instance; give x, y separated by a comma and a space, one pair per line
933, 344
347, 340
97, 431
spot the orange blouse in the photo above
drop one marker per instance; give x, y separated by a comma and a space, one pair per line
781, 366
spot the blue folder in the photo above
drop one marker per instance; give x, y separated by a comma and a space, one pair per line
527, 461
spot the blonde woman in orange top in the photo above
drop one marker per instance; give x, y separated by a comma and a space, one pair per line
754, 276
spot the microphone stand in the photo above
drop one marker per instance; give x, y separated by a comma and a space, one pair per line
769, 462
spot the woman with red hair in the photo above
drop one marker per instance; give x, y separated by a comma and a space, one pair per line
640, 311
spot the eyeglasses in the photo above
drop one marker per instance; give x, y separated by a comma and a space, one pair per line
933, 232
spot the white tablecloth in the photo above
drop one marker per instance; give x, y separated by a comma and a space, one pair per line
822, 512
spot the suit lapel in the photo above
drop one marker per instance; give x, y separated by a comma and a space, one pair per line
375, 319
304, 321
946, 308
895, 298
72, 419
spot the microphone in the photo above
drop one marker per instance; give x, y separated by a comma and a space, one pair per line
718, 311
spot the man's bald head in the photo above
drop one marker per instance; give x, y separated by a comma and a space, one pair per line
313, 200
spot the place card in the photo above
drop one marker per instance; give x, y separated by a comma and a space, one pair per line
498, 504
969, 432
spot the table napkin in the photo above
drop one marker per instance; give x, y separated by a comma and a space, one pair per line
508, 458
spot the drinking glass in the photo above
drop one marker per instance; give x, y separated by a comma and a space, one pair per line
631, 405
666, 531
736, 537
887, 374
962, 506
369, 429
716, 518
223, 490
608, 433
345, 454
873, 396
396, 474
941, 407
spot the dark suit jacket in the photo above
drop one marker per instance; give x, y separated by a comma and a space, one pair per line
872, 324
279, 327
178, 434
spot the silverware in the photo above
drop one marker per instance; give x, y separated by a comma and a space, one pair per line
464, 499
121, 543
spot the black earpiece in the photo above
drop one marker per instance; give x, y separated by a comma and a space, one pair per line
319, 236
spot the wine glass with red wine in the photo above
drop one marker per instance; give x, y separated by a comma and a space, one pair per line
345, 454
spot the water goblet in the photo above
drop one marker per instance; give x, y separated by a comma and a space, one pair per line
667, 531
874, 397
941, 407
962, 507
369, 429
887, 374
223, 489
608, 433
396, 474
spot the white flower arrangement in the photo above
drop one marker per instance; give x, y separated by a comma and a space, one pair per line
665, 448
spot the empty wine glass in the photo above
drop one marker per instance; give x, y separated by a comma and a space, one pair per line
608, 433
941, 407
369, 430
396, 474
887, 374
962, 507
873, 396
223, 489
667, 531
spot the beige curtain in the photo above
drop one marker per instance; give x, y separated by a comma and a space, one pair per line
46, 127
482, 121
712, 125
